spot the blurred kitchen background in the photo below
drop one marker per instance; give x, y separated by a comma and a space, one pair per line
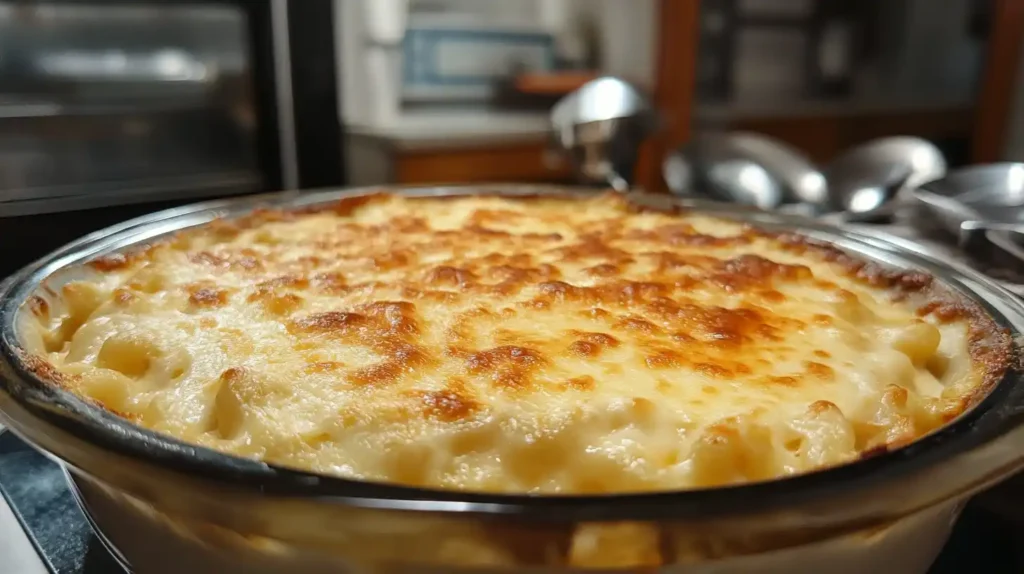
110, 109
439, 90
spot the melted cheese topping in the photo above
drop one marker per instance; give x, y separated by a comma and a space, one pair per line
510, 345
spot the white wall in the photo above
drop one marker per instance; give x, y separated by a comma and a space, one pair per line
348, 39
628, 30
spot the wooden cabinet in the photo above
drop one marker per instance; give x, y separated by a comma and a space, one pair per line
999, 81
523, 162
983, 123
376, 159
823, 136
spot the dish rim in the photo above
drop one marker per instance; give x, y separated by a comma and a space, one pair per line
1001, 410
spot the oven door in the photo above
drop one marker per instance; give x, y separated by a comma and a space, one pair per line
111, 109
113, 103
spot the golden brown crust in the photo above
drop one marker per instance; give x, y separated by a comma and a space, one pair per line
46, 371
990, 345
677, 295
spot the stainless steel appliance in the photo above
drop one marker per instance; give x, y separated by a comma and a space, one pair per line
109, 104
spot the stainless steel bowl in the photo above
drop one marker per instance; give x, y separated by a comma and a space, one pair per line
173, 507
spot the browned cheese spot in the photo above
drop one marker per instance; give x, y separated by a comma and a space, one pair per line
455, 276
112, 262
784, 381
583, 383
507, 366
244, 260
399, 358
822, 320
590, 345
330, 322
323, 367
752, 271
449, 405
945, 311
712, 370
665, 359
603, 270
333, 283
819, 371
637, 324
206, 297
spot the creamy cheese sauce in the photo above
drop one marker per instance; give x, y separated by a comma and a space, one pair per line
490, 344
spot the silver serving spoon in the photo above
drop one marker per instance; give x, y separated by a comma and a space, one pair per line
862, 181
745, 168
744, 181
867, 197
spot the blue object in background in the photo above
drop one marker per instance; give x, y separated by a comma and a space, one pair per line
433, 67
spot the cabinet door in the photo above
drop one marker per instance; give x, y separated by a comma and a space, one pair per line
526, 162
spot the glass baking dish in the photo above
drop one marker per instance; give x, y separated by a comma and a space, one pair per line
167, 506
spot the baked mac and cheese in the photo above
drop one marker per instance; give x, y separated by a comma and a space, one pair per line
535, 345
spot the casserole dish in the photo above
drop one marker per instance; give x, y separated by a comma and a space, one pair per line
169, 506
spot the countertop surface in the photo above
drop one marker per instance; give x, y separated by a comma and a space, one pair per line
439, 129
461, 126
17, 553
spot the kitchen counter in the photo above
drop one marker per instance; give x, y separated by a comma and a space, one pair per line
448, 127
17, 554
454, 145
452, 128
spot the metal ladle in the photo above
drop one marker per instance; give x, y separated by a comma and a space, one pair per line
601, 127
